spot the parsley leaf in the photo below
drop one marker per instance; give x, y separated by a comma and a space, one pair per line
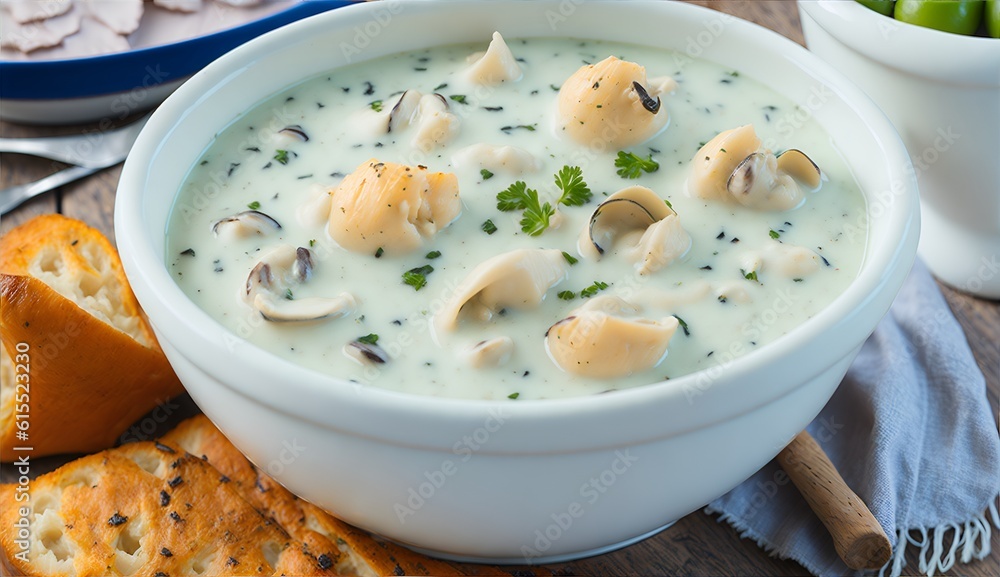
417, 277
376, 105
369, 339
254, 205
536, 215
593, 289
513, 395
566, 295
632, 166
774, 233
752, 275
488, 227
575, 191
281, 156
459, 98
572, 260
432, 254
486, 174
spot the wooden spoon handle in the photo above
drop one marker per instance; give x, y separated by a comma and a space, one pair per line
857, 536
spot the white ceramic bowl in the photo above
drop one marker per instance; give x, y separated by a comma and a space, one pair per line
511, 481
942, 92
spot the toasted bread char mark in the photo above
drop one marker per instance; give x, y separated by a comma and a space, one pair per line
102, 514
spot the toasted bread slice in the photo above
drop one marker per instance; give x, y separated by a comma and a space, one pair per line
355, 552
83, 342
144, 509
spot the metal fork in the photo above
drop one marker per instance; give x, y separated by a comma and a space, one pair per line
89, 152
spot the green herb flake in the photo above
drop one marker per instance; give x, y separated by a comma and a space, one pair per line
376, 105
379, 252
774, 233
513, 396
459, 98
593, 289
572, 260
288, 294
369, 339
752, 275
417, 277
669, 205
486, 174
488, 227
683, 325
281, 156
632, 166
433, 254
575, 192
566, 295
518, 196
254, 205
312, 242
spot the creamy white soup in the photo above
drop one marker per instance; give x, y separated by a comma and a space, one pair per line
519, 219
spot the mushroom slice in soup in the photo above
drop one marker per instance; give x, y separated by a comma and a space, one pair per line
391, 206
244, 224
735, 165
495, 66
271, 284
517, 279
640, 221
493, 352
605, 339
506, 159
612, 103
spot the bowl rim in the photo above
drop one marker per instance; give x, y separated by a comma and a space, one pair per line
87, 76
157, 291
924, 52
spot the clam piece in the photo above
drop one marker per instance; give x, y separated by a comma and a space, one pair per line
436, 125
294, 133
612, 104
517, 279
35, 34
121, 16
796, 164
498, 159
781, 258
269, 288
490, 353
180, 5
599, 340
404, 111
640, 221
366, 354
244, 224
736, 166
496, 66
391, 206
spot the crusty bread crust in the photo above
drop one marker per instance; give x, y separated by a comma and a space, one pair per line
95, 367
146, 509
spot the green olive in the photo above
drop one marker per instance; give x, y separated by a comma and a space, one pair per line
958, 16
993, 18
880, 6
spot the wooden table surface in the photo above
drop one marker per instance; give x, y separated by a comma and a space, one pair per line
696, 545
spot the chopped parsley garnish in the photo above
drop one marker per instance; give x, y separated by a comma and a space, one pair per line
312, 242
536, 215
459, 98
417, 277
566, 295
513, 395
632, 166
774, 233
369, 339
488, 227
486, 174
379, 252
433, 254
593, 289
440, 86
288, 294
669, 205
528, 127
254, 205
376, 105
281, 156
752, 275
572, 260
575, 191
684, 326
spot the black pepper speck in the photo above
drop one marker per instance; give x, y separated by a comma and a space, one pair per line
117, 519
